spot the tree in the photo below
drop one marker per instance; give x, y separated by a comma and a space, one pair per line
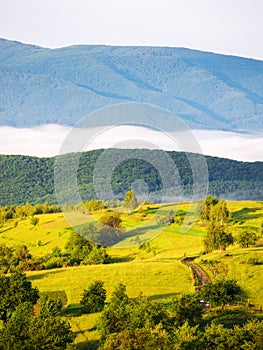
111, 219
115, 316
130, 202
49, 307
78, 248
21, 254
246, 238
107, 236
34, 221
146, 338
94, 205
82, 250
248, 337
217, 238
185, 337
94, 297
210, 202
187, 308
123, 314
219, 213
24, 331
50, 333
15, 334
5, 258
14, 290
145, 312
221, 292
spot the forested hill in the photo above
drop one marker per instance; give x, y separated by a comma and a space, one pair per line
208, 91
25, 178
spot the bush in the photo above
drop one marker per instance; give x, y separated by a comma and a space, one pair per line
34, 221
254, 261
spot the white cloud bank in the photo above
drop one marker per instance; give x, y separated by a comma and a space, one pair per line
46, 141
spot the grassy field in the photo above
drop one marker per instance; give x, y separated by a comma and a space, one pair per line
155, 271
160, 280
52, 230
234, 264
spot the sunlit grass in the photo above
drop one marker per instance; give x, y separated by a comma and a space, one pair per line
156, 272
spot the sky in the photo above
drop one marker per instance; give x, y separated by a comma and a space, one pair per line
225, 26
232, 27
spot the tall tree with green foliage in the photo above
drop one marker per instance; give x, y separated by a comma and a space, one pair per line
49, 307
209, 203
115, 315
130, 202
94, 297
14, 290
220, 213
25, 331
217, 238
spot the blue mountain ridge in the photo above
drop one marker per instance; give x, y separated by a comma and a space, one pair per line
207, 90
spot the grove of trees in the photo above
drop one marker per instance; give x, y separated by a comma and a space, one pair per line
22, 328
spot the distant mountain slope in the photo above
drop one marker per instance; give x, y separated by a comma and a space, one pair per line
24, 178
207, 90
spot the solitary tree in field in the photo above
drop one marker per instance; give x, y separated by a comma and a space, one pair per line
210, 202
94, 297
217, 238
130, 202
111, 219
219, 213
246, 238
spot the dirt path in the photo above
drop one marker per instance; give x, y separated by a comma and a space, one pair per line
199, 274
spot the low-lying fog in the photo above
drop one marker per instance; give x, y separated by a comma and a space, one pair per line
46, 141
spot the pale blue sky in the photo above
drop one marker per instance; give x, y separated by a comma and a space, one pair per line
224, 26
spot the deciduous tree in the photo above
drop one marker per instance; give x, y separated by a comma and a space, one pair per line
94, 297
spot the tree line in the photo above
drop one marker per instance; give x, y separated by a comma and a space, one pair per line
142, 323
190, 321
24, 328
30, 179
77, 251
216, 217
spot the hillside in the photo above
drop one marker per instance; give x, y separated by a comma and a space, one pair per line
156, 271
31, 179
209, 91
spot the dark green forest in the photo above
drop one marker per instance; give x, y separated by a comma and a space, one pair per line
31, 179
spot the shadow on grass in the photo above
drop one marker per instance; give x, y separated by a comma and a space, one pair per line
246, 214
88, 345
44, 275
7, 229
163, 296
229, 317
74, 310
43, 244
121, 259
141, 230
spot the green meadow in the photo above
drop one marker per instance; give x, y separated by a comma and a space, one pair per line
155, 271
